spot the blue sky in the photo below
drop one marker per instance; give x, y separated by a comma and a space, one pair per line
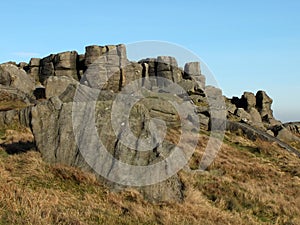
249, 45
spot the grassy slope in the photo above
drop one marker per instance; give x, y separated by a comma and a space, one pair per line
249, 183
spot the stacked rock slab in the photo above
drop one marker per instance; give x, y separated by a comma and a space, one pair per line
105, 66
65, 64
33, 68
165, 67
192, 70
62, 64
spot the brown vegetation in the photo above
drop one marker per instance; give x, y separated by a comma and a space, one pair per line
249, 183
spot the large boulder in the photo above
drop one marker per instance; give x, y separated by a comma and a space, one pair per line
12, 98
251, 117
192, 70
53, 132
263, 104
11, 75
255, 118
53, 127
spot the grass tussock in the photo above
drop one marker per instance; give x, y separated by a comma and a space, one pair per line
248, 183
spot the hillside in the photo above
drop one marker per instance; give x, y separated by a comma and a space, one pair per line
95, 138
248, 183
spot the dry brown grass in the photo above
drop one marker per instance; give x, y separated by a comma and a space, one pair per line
249, 183
256, 179
8, 105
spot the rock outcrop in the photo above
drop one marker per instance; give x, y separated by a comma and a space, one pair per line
192, 71
75, 108
62, 64
52, 126
253, 109
12, 76
294, 127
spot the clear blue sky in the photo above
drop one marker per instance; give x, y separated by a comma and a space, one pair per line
249, 45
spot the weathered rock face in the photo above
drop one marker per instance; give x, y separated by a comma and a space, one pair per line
53, 132
11, 75
62, 64
65, 64
130, 73
231, 108
192, 70
46, 68
15, 117
284, 134
150, 65
166, 68
104, 66
56, 85
5, 78
163, 67
52, 126
293, 127
33, 69
249, 99
189, 86
240, 112
263, 104
11, 98
255, 118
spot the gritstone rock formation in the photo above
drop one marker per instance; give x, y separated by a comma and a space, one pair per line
47, 90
